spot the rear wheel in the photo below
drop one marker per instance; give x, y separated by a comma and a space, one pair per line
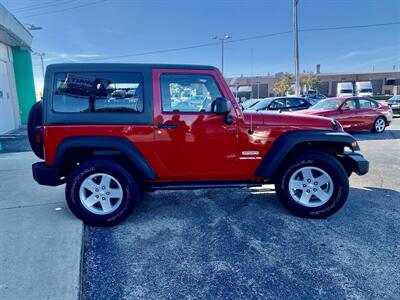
101, 192
312, 184
379, 125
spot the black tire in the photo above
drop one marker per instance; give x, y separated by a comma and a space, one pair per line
374, 129
127, 181
35, 120
328, 164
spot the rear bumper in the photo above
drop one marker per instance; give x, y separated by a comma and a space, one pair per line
46, 175
357, 162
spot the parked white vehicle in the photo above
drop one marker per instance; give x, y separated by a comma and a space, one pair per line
344, 89
364, 88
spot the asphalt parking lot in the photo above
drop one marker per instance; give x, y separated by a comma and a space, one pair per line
241, 243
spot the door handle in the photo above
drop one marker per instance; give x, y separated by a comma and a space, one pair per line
167, 126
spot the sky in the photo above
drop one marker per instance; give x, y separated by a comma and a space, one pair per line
138, 31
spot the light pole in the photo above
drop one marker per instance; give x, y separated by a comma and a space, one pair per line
222, 40
41, 59
258, 88
32, 27
296, 47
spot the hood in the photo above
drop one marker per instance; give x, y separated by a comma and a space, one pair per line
273, 118
315, 112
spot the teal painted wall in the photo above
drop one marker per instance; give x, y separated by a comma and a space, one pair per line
22, 62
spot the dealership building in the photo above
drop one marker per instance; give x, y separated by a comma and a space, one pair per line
17, 90
383, 83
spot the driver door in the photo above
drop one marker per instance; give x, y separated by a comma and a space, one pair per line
191, 141
348, 115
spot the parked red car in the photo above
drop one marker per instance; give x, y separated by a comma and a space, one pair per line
354, 113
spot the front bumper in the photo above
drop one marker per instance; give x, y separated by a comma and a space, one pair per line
46, 175
395, 108
357, 163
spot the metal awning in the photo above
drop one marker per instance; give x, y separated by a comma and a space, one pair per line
12, 32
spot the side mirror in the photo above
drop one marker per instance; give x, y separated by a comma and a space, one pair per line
221, 106
345, 107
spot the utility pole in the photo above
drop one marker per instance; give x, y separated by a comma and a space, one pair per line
296, 48
41, 59
222, 40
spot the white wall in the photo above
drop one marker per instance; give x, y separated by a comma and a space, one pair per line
9, 110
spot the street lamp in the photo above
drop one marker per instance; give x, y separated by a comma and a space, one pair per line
33, 27
296, 47
41, 59
222, 40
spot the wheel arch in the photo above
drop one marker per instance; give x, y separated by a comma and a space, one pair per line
381, 117
89, 146
293, 142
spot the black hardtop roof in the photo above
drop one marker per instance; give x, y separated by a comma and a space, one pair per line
104, 67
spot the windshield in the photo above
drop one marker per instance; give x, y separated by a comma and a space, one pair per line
249, 103
327, 104
365, 90
346, 91
261, 104
394, 98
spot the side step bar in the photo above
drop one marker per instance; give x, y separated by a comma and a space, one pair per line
201, 185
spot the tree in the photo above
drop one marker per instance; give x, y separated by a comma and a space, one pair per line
310, 81
284, 84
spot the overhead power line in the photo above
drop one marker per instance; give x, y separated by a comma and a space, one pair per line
238, 40
350, 27
43, 5
31, 5
153, 52
65, 9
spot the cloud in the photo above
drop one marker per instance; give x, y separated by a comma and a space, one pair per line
388, 50
352, 54
114, 31
72, 57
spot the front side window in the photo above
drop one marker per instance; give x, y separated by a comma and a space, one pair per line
188, 92
350, 104
346, 91
98, 92
292, 102
278, 104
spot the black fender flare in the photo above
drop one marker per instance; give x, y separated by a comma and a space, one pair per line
285, 142
107, 143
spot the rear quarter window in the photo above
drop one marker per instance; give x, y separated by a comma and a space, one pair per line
98, 92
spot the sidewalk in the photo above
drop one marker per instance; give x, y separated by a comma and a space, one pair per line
15, 141
40, 240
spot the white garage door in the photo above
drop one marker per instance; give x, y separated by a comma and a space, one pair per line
6, 110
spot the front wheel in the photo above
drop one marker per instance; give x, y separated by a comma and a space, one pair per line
101, 192
312, 184
379, 125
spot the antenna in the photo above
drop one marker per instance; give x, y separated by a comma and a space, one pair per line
251, 131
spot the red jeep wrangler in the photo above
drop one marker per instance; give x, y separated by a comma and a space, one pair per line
112, 130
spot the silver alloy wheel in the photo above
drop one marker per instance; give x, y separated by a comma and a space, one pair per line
310, 186
101, 193
380, 125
